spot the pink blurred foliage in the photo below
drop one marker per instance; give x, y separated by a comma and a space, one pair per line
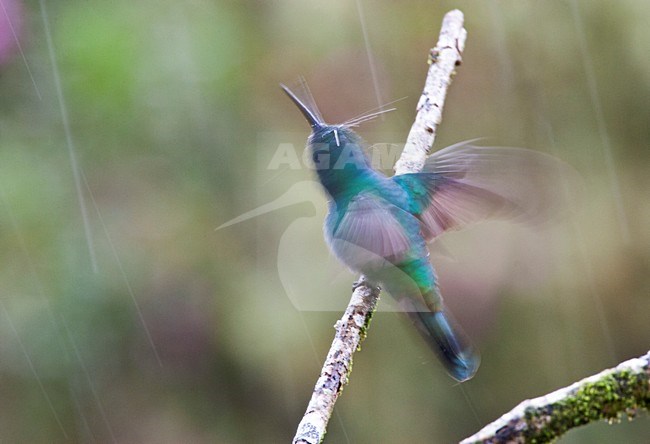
11, 25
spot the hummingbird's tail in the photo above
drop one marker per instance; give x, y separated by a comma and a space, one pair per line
448, 341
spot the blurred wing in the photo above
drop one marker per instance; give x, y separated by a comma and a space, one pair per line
463, 184
370, 230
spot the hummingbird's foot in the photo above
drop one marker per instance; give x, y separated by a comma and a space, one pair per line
358, 283
362, 282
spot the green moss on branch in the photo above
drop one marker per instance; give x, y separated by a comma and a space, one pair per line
609, 395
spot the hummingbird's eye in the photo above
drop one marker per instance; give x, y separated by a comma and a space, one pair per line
328, 135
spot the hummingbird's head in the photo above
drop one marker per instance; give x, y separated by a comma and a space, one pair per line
334, 147
326, 141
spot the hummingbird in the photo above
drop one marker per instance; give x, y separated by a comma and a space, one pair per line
379, 226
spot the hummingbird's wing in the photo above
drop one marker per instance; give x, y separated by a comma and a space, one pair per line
463, 184
369, 231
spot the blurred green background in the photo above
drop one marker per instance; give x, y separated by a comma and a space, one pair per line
144, 324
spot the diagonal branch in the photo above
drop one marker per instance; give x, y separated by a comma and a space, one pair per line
352, 327
443, 60
624, 389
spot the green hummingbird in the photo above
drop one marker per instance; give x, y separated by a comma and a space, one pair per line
379, 226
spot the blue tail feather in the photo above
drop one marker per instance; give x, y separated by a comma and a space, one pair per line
449, 342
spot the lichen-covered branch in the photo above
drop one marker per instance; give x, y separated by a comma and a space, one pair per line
443, 60
351, 329
605, 396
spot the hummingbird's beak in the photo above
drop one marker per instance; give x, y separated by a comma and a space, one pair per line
313, 120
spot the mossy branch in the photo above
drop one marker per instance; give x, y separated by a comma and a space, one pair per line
624, 390
352, 328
